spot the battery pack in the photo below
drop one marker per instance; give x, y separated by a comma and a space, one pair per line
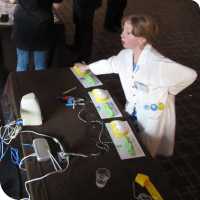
41, 148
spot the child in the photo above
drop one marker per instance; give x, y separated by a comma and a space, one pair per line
150, 82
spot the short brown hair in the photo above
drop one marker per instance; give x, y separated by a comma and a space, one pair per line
143, 26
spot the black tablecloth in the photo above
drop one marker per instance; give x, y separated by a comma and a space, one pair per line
8, 53
78, 181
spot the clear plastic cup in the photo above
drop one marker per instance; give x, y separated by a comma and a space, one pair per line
102, 176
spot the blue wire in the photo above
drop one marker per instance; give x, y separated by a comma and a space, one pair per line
14, 155
1, 143
11, 113
4, 154
27, 144
19, 122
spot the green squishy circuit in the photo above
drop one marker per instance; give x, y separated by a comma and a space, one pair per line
90, 79
108, 110
129, 145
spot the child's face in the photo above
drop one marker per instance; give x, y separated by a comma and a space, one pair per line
129, 41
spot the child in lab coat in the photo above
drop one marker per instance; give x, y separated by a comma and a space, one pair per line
150, 82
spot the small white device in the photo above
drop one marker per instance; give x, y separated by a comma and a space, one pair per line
41, 148
30, 110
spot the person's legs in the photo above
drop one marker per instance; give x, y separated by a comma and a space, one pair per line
134, 121
23, 58
86, 34
83, 39
120, 12
111, 12
40, 59
76, 13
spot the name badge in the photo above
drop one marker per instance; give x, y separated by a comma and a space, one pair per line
140, 87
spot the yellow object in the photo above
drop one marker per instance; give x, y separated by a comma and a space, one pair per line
119, 127
161, 106
144, 181
80, 72
101, 95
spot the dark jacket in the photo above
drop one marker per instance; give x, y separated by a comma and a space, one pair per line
91, 4
33, 23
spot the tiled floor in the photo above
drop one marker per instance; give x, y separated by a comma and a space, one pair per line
178, 39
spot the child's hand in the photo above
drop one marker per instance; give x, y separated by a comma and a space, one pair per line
82, 66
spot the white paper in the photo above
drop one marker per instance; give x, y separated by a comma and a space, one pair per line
100, 108
83, 80
7, 8
119, 143
141, 88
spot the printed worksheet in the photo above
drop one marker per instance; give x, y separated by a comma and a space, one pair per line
123, 151
84, 81
101, 110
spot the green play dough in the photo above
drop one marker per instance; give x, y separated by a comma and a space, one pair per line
108, 110
90, 79
129, 145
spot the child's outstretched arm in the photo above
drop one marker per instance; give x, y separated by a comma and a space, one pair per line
82, 66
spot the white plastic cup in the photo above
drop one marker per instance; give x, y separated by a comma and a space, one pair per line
102, 176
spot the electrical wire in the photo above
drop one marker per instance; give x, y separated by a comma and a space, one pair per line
14, 155
141, 196
36, 179
54, 160
99, 144
56, 140
82, 155
98, 119
84, 93
9, 133
33, 154
27, 144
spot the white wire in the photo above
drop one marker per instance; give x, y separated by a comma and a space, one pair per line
54, 160
80, 113
56, 140
82, 155
51, 157
37, 133
104, 143
33, 154
36, 179
8, 131
141, 196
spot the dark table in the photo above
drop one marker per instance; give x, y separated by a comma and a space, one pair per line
78, 181
8, 53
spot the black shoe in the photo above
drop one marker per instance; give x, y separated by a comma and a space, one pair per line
111, 29
72, 47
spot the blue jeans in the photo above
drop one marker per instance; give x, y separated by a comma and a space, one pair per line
134, 121
40, 60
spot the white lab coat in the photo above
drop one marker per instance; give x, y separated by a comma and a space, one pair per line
157, 80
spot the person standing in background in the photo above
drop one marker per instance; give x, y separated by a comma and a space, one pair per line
83, 15
114, 13
32, 31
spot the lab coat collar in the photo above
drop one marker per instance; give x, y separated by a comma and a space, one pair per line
143, 56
